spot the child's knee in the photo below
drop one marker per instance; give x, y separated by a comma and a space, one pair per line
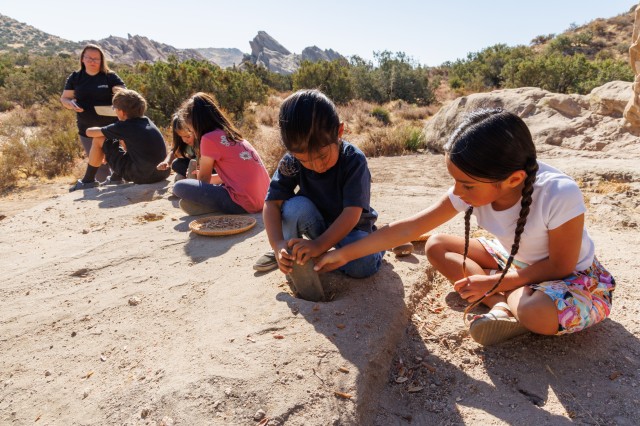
98, 141
363, 267
435, 246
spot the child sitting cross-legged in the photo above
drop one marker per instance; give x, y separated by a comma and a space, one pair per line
133, 146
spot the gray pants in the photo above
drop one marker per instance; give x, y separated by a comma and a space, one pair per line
104, 169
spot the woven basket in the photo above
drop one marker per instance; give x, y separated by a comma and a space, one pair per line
216, 226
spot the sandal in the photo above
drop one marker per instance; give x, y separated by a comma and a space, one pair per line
496, 326
266, 262
403, 250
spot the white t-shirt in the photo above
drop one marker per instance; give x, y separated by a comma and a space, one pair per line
556, 199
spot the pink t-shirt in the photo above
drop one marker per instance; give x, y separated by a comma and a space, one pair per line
240, 168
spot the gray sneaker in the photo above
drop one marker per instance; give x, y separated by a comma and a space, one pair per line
266, 262
84, 185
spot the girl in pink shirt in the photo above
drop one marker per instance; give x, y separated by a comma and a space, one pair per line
231, 177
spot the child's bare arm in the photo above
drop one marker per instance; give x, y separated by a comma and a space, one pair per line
94, 132
391, 235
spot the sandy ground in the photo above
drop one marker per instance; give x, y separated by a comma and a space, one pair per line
114, 313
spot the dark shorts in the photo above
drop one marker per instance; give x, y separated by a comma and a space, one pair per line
120, 162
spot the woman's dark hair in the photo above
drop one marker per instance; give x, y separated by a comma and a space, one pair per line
308, 122
489, 146
104, 68
205, 115
177, 124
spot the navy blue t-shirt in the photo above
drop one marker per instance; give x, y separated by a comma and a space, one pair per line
346, 184
91, 91
145, 144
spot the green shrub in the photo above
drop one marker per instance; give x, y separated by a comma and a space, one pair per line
330, 77
382, 115
413, 138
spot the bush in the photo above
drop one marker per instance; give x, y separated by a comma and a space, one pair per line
382, 115
165, 85
48, 150
332, 78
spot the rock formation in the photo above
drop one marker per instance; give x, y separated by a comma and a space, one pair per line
267, 52
138, 48
632, 110
590, 123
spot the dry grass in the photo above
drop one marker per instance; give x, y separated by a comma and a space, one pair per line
371, 135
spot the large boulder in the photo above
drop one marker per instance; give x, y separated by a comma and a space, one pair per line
268, 53
589, 123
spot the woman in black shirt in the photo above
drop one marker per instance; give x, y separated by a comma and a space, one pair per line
92, 85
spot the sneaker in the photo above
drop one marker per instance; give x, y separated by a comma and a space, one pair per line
109, 181
84, 185
496, 326
194, 209
266, 262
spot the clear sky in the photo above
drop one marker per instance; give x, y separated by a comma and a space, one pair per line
431, 32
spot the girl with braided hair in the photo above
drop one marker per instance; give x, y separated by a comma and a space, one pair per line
540, 273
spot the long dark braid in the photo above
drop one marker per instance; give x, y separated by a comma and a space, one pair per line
527, 193
491, 144
467, 231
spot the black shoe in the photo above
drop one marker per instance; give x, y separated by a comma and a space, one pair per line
84, 185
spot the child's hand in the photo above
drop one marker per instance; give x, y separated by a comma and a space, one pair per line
329, 261
285, 260
162, 166
303, 250
475, 286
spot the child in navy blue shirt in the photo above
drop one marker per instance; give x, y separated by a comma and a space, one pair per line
133, 146
331, 205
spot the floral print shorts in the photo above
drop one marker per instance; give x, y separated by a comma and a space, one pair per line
583, 298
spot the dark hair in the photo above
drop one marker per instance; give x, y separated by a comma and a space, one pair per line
308, 122
104, 68
178, 144
491, 144
130, 102
204, 114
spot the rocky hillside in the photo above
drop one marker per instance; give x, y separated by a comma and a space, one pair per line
602, 37
138, 48
20, 37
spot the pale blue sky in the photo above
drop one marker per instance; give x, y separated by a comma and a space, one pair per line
429, 31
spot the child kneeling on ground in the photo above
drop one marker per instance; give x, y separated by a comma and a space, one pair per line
133, 146
321, 189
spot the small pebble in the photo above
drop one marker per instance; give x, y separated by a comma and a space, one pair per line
166, 421
259, 415
134, 301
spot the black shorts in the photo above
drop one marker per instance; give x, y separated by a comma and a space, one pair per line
120, 162
116, 157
